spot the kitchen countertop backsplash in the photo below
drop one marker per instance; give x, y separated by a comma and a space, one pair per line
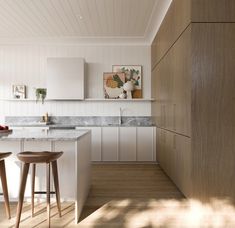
83, 121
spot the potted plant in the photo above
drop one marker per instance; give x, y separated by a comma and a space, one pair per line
41, 94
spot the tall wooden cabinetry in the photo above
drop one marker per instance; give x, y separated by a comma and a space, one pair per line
193, 84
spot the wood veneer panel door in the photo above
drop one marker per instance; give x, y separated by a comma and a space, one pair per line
156, 105
176, 20
183, 164
213, 11
213, 110
173, 87
169, 80
181, 70
165, 88
161, 148
158, 146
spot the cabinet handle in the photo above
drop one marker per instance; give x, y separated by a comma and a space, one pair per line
174, 123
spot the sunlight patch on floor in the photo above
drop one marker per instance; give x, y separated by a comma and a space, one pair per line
162, 213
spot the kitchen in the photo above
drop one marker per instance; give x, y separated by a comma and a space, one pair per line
137, 93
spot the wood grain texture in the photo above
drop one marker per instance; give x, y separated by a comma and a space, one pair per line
21, 194
202, 60
3, 178
213, 110
33, 187
180, 64
174, 23
213, 11
124, 190
174, 156
172, 82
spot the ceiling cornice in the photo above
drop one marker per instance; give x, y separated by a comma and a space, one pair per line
155, 21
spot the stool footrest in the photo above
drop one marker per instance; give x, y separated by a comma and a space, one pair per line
43, 192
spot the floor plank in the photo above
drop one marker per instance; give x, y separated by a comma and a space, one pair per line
130, 196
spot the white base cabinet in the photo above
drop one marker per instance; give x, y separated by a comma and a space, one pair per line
96, 143
127, 144
109, 144
146, 144
123, 144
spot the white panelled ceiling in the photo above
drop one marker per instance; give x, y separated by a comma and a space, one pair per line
77, 18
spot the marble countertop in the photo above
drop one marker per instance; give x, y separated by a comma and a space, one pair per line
44, 135
68, 126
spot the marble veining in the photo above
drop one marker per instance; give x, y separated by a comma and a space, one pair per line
75, 121
44, 135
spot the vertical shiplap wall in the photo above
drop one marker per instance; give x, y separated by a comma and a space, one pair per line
26, 64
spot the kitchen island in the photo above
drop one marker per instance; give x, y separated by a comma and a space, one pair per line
73, 167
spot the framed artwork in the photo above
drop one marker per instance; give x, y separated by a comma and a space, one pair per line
132, 73
19, 91
113, 83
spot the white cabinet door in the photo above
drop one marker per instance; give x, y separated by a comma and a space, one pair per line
145, 144
110, 144
95, 142
65, 78
127, 144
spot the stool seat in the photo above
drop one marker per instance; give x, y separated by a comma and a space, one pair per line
38, 157
4, 155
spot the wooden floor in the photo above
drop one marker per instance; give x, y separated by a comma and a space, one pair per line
130, 196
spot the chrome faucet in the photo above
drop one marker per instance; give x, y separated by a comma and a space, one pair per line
120, 116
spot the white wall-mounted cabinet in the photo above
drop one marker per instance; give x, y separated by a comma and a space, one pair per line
124, 144
65, 78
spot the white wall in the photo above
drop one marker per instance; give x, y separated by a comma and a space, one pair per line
26, 64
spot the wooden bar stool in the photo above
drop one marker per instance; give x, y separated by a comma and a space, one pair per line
49, 158
4, 182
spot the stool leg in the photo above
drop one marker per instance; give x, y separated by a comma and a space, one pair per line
33, 187
48, 193
4, 187
21, 193
56, 183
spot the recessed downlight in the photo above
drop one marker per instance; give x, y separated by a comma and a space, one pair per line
79, 16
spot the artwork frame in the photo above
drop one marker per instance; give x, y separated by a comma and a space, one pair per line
133, 73
113, 84
19, 91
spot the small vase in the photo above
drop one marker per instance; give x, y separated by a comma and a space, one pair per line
128, 87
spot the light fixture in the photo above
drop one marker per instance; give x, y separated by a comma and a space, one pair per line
79, 16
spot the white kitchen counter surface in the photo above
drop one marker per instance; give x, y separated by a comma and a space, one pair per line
43, 135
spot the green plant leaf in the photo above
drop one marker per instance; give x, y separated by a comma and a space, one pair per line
118, 80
